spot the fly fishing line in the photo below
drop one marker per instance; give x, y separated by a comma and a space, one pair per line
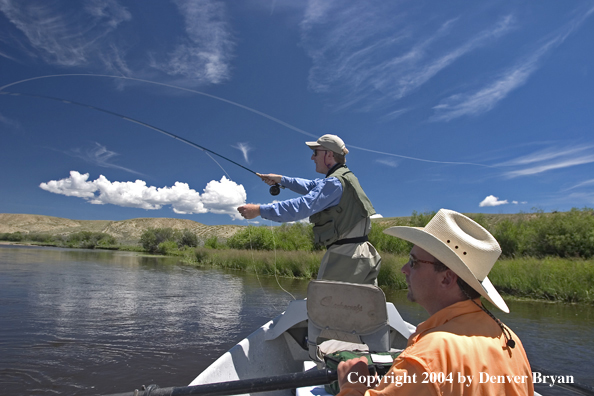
275, 276
274, 190
262, 114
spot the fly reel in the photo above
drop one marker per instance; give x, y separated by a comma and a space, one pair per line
275, 190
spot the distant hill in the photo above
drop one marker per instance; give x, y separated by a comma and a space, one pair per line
485, 219
125, 231
129, 231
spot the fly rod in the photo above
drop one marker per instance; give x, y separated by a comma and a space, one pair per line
274, 190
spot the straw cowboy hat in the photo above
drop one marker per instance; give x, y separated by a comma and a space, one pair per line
462, 245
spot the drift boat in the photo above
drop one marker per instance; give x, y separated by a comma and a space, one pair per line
349, 316
335, 316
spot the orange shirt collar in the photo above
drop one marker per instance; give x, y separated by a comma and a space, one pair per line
444, 315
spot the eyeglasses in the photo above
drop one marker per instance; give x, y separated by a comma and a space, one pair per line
412, 261
318, 150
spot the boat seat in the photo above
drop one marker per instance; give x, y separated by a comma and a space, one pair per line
348, 312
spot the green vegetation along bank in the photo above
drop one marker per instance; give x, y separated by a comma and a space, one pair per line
545, 255
82, 239
549, 278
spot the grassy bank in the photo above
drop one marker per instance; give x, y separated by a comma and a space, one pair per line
551, 279
546, 256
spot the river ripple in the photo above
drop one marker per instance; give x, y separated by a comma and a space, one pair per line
79, 322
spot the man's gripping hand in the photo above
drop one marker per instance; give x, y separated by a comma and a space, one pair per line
350, 371
271, 179
249, 211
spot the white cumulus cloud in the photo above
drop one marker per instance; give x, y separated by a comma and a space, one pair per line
220, 197
492, 200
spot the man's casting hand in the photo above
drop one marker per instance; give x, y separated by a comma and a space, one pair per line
271, 179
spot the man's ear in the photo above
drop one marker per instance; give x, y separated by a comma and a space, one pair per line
449, 279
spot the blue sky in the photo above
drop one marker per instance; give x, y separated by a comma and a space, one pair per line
471, 106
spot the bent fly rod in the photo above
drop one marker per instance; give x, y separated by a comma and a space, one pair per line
274, 190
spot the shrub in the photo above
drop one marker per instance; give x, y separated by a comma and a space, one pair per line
258, 238
12, 237
86, 240
44, 238
420, 219
167, 247
187, 238
214, 243
562, 234
385, 243
153, 237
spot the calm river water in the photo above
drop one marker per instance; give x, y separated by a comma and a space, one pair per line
80, 322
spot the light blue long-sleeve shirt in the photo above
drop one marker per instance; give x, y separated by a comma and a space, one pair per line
318, 194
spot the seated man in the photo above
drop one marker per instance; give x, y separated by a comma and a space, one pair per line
462, 349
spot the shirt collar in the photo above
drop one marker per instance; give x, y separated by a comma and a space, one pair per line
445, 315
334, 168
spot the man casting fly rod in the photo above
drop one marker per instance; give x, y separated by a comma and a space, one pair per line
336, 205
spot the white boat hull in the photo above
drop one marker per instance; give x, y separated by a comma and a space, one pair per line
272, 350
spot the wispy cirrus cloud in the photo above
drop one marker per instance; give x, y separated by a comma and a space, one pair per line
484, 99
395, 114
565, 163
388, 162
548, 154
245, 149
9, 121
93, 33
549, 159
99, 155
204, 54
67, 34
582, 184
372, 59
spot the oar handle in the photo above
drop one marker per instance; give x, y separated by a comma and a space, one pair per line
255, 385
286, 381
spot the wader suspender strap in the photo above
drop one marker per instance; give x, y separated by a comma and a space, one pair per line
364, 238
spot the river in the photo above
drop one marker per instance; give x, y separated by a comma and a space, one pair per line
82, 322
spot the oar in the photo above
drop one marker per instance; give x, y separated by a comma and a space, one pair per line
286, 381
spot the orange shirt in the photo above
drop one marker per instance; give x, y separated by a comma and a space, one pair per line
459, 350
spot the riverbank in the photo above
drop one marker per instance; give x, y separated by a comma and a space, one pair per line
155, 319
550, 279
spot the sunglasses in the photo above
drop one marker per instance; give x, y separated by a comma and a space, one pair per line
318, 150
413, 261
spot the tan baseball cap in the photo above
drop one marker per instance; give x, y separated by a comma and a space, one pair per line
330, 142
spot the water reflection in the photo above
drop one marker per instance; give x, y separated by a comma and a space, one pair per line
86, 322
96, 322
